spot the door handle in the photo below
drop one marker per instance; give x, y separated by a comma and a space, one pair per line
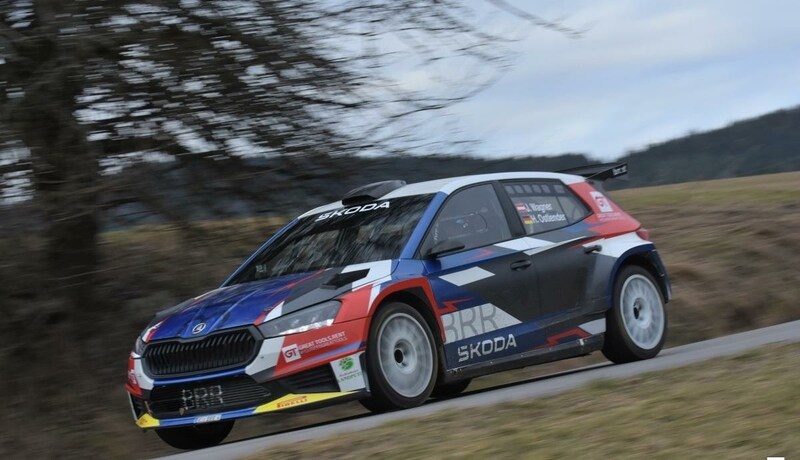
593, 249
521, 264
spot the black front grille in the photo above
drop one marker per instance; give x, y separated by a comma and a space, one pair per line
214, 395
219, 351
317, 380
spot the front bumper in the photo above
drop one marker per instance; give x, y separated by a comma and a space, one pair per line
296, 372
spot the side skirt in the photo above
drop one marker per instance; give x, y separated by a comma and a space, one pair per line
571, 349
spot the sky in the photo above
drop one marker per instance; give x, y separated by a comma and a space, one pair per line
643, 72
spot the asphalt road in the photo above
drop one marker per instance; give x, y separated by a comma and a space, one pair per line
557, 383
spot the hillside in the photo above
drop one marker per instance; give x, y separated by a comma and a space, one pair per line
762, 145
290, 185
766, 144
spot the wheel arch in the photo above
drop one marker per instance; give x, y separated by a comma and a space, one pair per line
420, 300
417, 299
647, 258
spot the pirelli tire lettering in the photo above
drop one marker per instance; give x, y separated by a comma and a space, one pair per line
486, 347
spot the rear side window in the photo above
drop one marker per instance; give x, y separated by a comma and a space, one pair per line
472, 216
543, 206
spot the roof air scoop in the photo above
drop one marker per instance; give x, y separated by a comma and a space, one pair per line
371, 192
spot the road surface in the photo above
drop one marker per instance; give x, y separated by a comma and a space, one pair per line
669, 358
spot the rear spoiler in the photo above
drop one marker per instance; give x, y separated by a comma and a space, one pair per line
599, 172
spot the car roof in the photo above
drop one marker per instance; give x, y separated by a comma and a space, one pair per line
451, 184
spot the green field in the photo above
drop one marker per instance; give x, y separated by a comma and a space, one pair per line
745, 407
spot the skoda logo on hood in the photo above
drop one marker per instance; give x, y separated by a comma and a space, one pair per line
198, 328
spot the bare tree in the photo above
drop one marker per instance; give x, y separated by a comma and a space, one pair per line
90, 88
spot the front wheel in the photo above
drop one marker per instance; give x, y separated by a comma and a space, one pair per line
402, 361
637, 323
196, 436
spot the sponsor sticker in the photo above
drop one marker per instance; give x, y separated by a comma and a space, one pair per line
208, 418
601, 201
353, 210
132, 378
348, 373
201, 398
610, 216
479, 320
346, 363
296, 401
486, 347
290, 353
322, 342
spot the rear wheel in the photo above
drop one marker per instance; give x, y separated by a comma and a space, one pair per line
637, 323
402, 361
196, 436
450, 389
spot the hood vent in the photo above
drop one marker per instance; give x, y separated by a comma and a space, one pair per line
340, 279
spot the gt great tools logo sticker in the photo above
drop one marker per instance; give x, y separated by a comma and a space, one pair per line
353, 210
322, 342
348, 373
486, 347
291, 353
601, 201
198, 328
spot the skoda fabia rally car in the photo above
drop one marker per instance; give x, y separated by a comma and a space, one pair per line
401, 292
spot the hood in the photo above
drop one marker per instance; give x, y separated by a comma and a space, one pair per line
249, 303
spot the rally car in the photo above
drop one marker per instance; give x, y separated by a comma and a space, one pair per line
398, 293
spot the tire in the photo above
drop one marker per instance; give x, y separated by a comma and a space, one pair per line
196, 436
402, 360
450, 389
636, 325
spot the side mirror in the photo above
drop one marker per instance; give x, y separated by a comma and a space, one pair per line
444, 247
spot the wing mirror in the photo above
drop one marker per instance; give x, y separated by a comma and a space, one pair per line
444, 247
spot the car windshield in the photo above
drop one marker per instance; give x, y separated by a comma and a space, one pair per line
345, 236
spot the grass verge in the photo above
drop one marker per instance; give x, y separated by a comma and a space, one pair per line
744, 406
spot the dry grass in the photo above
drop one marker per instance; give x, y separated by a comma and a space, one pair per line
740, 407
730, 247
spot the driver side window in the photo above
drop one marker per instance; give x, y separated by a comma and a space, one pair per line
472, 216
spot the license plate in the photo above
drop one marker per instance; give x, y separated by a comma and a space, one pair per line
201, 398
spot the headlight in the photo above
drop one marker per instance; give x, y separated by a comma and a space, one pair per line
138, 347
314, 317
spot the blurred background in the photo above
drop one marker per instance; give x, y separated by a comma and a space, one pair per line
146, 148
